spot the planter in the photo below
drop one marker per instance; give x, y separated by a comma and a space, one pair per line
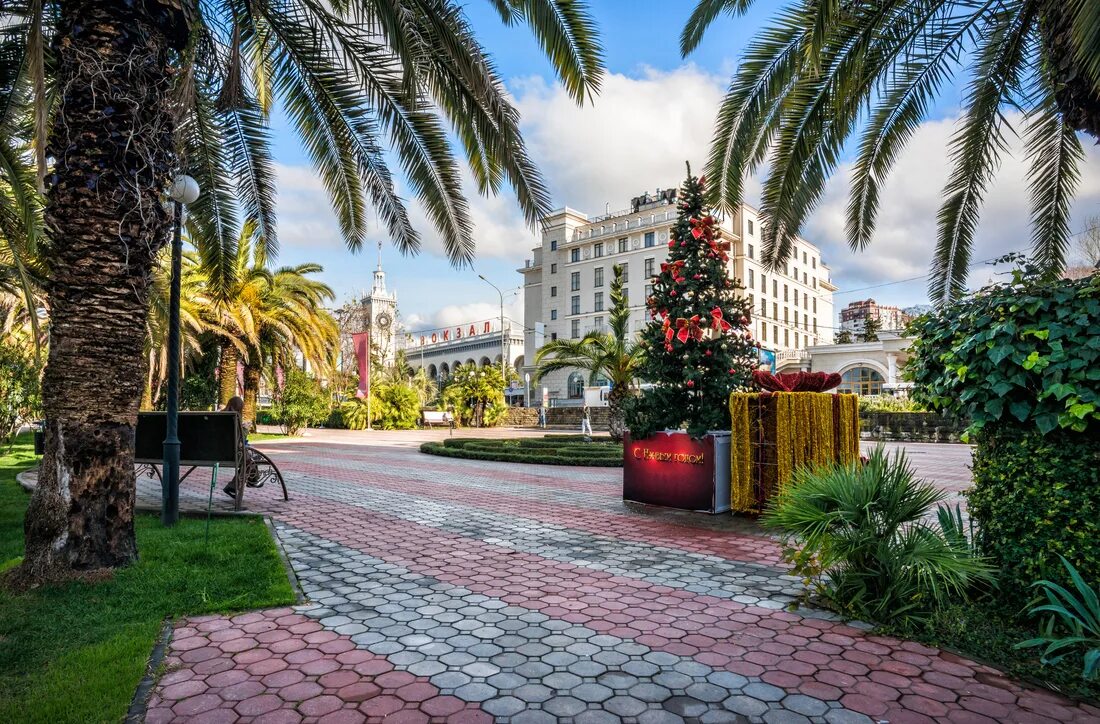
674, 470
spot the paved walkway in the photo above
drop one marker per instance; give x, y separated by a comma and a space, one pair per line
446, 590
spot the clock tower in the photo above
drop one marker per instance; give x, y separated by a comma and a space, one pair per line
381, 311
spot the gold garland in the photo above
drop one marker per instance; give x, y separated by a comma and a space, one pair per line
742, 499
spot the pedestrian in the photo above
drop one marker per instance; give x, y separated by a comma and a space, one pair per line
542, 417
586, 422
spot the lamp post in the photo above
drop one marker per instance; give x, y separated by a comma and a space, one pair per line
503, 356
184, 190
527, 389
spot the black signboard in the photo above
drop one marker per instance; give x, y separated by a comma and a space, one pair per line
205, 437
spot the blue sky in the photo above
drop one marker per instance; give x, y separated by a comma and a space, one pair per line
656, 110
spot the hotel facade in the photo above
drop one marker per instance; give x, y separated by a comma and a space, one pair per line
567, 282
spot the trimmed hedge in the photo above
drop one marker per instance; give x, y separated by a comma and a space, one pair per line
1036, 497
549, 450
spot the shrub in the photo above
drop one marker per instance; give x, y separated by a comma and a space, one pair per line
395, 406
476, 394
860, 535
549, 450
20, 397
1073, 624
1036, 497
887, 403
301, 402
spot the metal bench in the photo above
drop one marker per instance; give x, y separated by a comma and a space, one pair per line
207, 439
430, 418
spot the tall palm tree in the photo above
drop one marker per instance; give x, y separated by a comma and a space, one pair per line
613, 355
142, 90
825, 69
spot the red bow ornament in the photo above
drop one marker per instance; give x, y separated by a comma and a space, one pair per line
718, 322
675, 269
666, 327
688, 329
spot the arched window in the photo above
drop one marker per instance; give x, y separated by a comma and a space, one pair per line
861, 381
576, 385
484, 362
432, 372
444, 371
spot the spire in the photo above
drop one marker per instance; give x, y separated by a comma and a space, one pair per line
379, 276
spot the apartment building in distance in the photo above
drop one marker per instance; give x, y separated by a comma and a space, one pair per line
568, 279
855, 315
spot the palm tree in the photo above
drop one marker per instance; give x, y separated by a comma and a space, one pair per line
133, 83
613, 355
805, 83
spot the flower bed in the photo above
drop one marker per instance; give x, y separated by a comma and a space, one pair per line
548, 450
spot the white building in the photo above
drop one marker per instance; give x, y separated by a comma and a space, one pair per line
865, 368
376, 313
439, 351
854, 317
567, 281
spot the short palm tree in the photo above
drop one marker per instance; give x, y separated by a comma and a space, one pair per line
127, 94
824, 70
613, 355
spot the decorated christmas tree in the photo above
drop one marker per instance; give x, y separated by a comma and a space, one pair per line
697, 347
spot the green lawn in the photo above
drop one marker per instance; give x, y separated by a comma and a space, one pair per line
76, 653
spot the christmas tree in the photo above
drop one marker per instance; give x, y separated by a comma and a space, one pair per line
697, 347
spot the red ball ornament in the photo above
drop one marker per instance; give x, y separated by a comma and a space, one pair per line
691, 383
672, 293
683, 243
708, 353
671, 243
733, 371
696, 276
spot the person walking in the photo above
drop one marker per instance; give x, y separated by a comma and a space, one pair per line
586, 422
542, 417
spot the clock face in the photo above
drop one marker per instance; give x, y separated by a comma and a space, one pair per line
384, 320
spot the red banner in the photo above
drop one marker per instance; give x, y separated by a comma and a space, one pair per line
361, 340
670, 469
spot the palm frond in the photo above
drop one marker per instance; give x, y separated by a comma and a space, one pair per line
703, 16
567, 34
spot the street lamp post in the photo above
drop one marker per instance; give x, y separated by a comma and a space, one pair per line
503, 355
184, 190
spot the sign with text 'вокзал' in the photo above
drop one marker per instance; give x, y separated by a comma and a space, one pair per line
670, 469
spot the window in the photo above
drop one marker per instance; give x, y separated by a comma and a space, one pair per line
796, 274
796, 317
775, 288
626, 296
650, 268
575, 304
624, 245
786, 338
553, 336
752, 282
597, 302
775, 334
786, 317
750, 232
815, 327
554, 268
554, 245
597, 250
648, 291
650, 238
764, 283
775, 311
785, 293
626, 273
764, 309
553, 314
574, 281
553, 291
752, 251
804, 278
575, 328
815, 305
752, 301
803, 257
813, 262
597, 323
574, 255
575, 387
796, 297
861, 381
597, 277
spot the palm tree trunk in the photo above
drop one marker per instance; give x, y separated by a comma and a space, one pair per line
616, 419
251, 393
227, 373
112, 138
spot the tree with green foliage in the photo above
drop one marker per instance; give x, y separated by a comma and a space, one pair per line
843, 337
697, 348
871, 327
613, 355
475, 395
1021, 360
824, 71
191, 86
300, 403
20, 391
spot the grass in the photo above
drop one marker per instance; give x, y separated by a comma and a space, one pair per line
76, 652
261, 436
546, 450
988, 633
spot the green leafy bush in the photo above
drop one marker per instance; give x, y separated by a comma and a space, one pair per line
1073, 624
888, 403
1026, 351
860, 535
1036, 497
20, 396
301, 402
395, 406
476, 394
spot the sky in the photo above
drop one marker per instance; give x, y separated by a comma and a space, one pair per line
655, 111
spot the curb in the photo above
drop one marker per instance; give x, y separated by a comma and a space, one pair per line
140, 703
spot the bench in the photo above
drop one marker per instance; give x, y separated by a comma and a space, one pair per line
430, 418
207, 439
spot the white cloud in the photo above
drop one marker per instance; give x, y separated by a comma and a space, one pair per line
455, 314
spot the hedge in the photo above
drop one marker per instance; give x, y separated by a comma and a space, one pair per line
551, 450
1037, 497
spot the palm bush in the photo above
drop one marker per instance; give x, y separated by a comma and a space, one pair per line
1073, 623
862, 536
